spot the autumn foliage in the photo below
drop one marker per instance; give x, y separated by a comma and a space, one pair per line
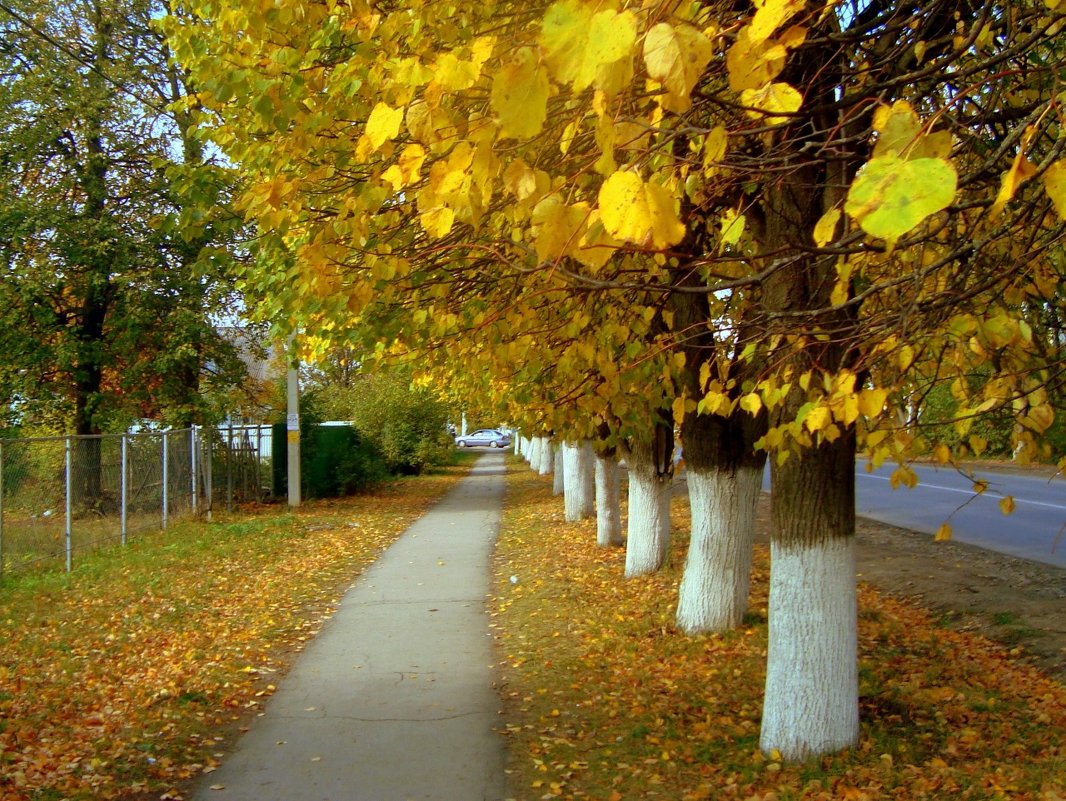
606, 699
134, 674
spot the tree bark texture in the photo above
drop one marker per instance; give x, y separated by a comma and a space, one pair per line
714, 588
579, 480
648, 527
608, 502
545, 456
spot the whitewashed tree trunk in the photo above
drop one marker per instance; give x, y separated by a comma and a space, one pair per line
517, 442
579, 480
558, 486
811, 703
544, 466
527, 446
648, 527
714, 589
534, 453
812, 684
608, 502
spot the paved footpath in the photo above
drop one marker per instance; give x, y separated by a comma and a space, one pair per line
393, 700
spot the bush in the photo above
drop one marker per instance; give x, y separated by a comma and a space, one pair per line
405, 423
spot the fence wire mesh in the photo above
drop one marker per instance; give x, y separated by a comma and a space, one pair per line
64, 496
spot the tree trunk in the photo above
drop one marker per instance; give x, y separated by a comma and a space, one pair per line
714, 589
579, 480
544, 466
534, 454
648, 528
558, 480
812, 685
811, 702
608, 502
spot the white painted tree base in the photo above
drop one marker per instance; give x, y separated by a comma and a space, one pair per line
714, 589
579, 480
811, 703
648, 528
545, 453
608, 503
558, 473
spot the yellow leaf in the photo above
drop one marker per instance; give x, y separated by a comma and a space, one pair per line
751, 403
1021, 170
816, 419
558, 227
732, 229
454, 73
872, 402
714, 149
406, 169
978, 444
772, 100
637, 212
705, 374
942, 453
753, 64
383, 124
903, 476
519, 179
943, 534
676, 58
1055, 186
1006, 504
771, 15
520, 96
905, 357
438, 221
579, 44
825, 228
596, 246
679, 410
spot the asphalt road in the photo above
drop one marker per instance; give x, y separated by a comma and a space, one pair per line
1034, 530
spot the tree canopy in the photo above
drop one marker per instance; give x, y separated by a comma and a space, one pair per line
112, 232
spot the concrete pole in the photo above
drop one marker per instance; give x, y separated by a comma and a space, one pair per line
292, 424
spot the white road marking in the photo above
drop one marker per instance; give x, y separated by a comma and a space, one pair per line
993, 493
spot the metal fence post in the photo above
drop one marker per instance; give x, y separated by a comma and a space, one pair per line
165, 499
209, 483
69, 532
192, 467
124, 488
229, 469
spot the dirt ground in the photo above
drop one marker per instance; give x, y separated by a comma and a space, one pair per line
1019, 603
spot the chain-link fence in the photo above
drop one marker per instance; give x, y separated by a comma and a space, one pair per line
61, 496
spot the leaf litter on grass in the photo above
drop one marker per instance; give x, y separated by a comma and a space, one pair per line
606, 699
127, 678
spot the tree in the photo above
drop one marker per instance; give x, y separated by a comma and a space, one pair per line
797, 204
109, 281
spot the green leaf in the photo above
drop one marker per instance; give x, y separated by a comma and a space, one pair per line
892, 196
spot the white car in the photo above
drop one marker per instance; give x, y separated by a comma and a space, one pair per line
484, 436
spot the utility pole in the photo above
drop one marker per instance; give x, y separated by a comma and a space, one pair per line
292, 422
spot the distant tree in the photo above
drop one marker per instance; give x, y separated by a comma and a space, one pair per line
114, 243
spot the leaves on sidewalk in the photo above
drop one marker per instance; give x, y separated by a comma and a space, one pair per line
130, 676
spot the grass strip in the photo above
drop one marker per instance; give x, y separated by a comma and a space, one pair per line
606, 699
132, 675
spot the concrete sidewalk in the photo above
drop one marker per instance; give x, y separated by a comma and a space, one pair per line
393, 700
